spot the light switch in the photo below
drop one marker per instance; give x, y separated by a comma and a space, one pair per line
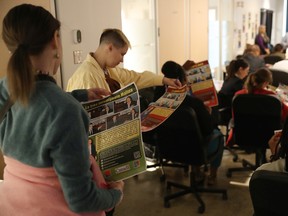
77, 54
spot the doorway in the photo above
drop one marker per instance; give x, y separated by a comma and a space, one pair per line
139, 25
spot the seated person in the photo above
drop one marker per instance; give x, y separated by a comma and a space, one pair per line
252, 56
278, 50
278, 147
237, 71
172, 70
257, 83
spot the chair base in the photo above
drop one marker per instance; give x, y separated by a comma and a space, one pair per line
161, 164
233, 152
247, 166
192, 188
260, 158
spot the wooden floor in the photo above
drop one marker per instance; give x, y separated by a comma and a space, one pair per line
143, 194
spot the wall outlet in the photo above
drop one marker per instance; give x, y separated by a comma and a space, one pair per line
77, 54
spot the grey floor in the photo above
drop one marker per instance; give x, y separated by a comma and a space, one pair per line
143, 194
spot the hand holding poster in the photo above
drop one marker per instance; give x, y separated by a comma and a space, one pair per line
115, 131
201, 84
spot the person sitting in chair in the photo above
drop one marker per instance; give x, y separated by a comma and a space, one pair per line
237, 72
279, 149
257, 83
172, 69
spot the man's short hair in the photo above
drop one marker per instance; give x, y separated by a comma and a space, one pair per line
116, 37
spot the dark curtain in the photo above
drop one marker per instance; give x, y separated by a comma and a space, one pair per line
266, 18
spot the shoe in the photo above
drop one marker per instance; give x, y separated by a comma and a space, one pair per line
211, 180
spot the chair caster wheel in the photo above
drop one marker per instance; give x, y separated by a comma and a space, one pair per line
162, 178
201, 209
166, 204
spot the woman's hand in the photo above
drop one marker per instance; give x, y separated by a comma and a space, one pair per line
119, 185
273, 142
97, 93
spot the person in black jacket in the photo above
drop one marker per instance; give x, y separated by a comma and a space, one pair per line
172, 69
237, 72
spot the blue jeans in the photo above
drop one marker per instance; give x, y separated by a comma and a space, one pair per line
212, 147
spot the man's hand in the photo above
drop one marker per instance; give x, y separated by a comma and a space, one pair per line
172, 82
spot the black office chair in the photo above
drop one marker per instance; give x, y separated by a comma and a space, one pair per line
223, 114
150, 139
268, 191
279, 77
272, 59
224, 110
256, 117
180, 141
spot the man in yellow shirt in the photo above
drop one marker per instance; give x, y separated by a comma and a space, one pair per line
101, 66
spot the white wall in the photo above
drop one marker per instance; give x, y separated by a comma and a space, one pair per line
89, 16
233, 24
247, 21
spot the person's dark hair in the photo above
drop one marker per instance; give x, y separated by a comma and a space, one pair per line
26, 31
114, 36
235, 65
256, 79
173, 70
278, 48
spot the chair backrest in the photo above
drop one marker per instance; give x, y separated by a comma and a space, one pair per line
179, 138
268, 191
272, 59
256, 117
279, 77
146, 97
224, 108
